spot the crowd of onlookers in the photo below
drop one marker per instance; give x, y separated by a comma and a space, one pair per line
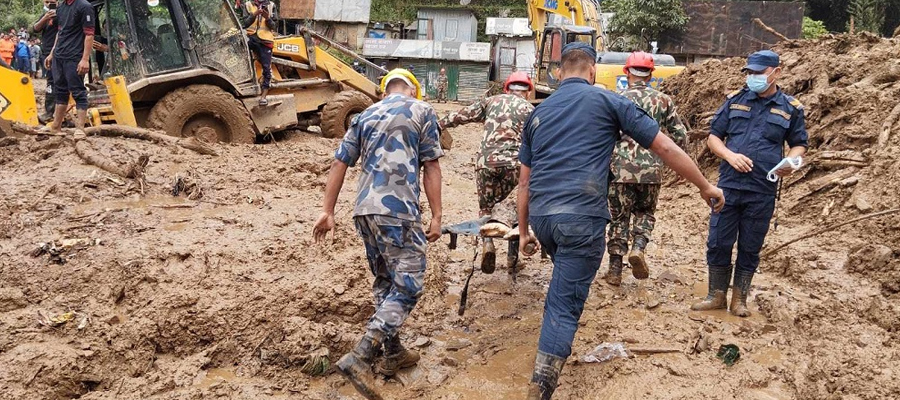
23, 53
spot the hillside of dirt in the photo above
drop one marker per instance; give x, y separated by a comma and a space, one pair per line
207, 285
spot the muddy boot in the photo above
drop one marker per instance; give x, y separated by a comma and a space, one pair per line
356, 365
718, 289
739, 293
547, 368
614, 275
488, 256
639, 267
396, 357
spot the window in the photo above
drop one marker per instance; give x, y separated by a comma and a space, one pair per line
159, 40
219, 39
425, 29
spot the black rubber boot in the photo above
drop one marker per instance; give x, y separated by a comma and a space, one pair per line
356, 365
488, 256
739, 292
397, 357
719, 276
639, 267
547, 368
614, 275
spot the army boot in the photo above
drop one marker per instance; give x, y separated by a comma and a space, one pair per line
547, 368
739, 292
396, 357
488, 256
639, 267
614, 275
356, 365
718, 289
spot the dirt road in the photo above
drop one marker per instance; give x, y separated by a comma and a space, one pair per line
226, 296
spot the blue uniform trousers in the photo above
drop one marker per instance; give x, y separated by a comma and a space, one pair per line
575, 243
745, 219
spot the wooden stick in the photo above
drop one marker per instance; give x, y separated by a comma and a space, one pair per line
888, 125
830, 228
652, 350
767, 28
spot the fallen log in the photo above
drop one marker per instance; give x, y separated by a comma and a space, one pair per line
828, 181
86, 151
769, 29
829, 229
158, 137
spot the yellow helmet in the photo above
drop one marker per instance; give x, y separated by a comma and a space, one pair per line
406, 76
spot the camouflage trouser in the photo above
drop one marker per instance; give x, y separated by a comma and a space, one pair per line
395, 249
494, 185
625, 200
442, 94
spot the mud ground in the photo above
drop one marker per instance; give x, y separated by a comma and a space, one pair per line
224, 295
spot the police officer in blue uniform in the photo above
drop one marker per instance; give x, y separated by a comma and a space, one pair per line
748, 133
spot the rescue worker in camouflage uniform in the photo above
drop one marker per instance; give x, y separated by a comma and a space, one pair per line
497, 161
442, 85
392, 139
636, 175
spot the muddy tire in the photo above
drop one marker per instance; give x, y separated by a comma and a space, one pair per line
339, 112
204, 111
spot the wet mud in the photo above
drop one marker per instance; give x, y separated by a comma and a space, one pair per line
226, 296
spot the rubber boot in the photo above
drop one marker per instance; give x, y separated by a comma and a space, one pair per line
356, 365
614, 275
488, 256
396, 357
739, 293
512, 256
547, 368
718, 289
639, 267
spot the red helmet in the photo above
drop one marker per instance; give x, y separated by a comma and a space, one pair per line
639, 59
519, 77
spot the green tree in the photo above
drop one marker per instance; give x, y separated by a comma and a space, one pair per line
868, 15
813, 29
647, 19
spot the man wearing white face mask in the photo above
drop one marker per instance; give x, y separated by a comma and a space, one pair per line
748, 133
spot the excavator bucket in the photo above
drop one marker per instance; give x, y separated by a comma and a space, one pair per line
17, 101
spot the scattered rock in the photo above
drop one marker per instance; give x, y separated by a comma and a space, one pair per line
670, 277
450, 361
339, 289
458, 344
422, 341
862, 204
12, 299
652, 303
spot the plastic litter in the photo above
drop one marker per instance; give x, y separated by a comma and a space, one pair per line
729, 354
605, 352
793, 163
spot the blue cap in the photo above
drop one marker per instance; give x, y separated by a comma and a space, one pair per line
580, 46
761, 60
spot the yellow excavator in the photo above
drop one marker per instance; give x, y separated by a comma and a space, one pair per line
583, 24
183, 66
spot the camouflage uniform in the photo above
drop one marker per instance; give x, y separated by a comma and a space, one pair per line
636, 172
393, 138
442, 85
497, 162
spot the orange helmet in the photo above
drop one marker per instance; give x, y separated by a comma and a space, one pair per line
518, 77
639, 59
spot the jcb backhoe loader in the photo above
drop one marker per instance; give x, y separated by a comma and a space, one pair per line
183, 66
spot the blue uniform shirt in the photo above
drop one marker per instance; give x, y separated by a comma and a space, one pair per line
568, 141
757, 128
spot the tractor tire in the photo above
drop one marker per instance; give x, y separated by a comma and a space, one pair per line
339, 112
204, 111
